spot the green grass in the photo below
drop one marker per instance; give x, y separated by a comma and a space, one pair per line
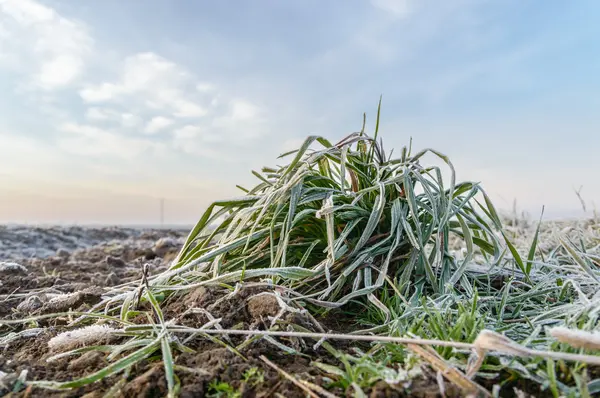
398, 245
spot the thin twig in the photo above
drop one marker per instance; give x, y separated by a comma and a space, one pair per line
318, 389
523, 351
448, 371
334, 336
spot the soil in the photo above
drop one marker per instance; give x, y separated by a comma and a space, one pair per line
83, 273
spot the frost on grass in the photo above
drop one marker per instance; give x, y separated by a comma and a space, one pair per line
577, 338
8, 266
66, 301
86, 336
14, 336
30, 304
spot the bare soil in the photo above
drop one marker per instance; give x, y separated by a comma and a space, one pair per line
85, 272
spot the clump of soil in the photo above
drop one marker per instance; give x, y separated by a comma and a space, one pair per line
263, 306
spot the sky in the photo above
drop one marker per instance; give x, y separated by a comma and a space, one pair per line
108, 106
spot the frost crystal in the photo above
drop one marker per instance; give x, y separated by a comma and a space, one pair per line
81, 337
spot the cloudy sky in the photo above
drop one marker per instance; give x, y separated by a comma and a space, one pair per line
107, 106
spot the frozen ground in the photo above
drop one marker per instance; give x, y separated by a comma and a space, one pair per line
20, 241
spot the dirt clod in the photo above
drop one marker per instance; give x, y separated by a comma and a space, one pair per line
30, 305
150, 384
263, 305
111, 279
63, 253
197, 297
163, 246
115, 262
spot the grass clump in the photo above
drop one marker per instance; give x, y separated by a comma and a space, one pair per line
342, 222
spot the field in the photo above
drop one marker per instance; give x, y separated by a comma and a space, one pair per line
348, 271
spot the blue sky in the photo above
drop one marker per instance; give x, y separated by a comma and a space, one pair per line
108, 105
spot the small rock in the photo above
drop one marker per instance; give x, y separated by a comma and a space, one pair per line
164, 246
149, 254
36, 262
115, 262
55, 261
262, 306
92, 293
111, 279
63, 253
165, 242
30, 304
7, 267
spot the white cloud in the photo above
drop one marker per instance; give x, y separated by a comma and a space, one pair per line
397, 8
187, 132
195, 140
81, 129
154, 85
154, 81
205, 87
49, 48
243, 110
94, 141
26, 12
157, 124
130, 120
98, 114
185, 108
52, 52
190, 133
99, 93
243, 118
59, 71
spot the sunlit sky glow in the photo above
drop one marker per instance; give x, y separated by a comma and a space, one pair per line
107, 106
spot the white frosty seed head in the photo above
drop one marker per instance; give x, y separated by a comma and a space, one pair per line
59, 298
577, 338
488, 340
81, 337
